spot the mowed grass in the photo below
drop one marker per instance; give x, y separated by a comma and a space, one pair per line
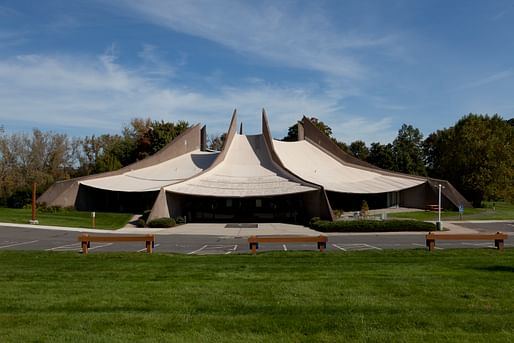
386, 296
491, 211
65, 217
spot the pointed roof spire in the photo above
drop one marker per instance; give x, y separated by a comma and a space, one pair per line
241, 128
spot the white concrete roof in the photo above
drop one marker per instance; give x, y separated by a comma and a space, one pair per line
246, 171
314, 165
154, 177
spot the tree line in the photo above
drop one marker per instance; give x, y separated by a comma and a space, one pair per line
47, 157
476, 155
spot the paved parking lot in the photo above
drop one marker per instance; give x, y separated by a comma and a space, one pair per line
233, 241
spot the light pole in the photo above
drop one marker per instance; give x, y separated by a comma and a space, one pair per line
439, 224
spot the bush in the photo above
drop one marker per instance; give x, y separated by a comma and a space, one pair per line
140, 223
370, 225
338, 213
161, 223
20, 198
145, 215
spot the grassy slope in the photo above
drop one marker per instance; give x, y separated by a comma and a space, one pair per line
501, 211
68, 218
396, 296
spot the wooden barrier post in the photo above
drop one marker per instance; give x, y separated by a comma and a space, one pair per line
84, 243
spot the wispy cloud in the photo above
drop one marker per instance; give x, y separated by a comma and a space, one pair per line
281, 33
99, 95
504, 74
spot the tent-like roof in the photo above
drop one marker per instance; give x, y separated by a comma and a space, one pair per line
309, 162
154, 177
247, 170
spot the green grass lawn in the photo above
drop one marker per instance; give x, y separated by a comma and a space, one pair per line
500, 211
386, 296
64, 217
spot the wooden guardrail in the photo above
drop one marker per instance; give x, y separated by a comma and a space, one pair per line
255, 240
497, 237
86, 240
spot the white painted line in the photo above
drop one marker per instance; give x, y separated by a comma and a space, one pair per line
101, 246
285, 247
228, 252
16, 244
67, 247
338, 247
194, 252
491, 245
144, 249
371, 246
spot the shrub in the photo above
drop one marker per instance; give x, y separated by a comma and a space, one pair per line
338, 213
51, 209
145, 215
20, 198
364, 208
371, 225
161, 223
140, 223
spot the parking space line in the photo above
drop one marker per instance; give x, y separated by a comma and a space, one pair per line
356, 247
198, 250
144, 249
101, 246
231, 251
338, 247
488, 245
67, 247
371, 246
16, 244
285, 247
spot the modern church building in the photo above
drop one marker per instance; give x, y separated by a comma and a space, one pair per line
254, 178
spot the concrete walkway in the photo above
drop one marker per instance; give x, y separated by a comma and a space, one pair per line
234, 230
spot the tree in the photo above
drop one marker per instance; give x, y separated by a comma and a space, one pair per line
292, 131
216, 141
142, 138
408, 151
41, 157
382, 156
292, 134
359, 149
476, 155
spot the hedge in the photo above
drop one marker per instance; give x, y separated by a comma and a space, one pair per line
161, 223
370, 225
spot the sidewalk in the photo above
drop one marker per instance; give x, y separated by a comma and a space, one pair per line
235, 230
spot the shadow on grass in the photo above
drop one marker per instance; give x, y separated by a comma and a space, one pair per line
507, 269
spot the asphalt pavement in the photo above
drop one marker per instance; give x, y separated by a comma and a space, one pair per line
204, 239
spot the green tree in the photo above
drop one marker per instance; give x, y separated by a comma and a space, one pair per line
476, 155
382, 156
359, 149
408, 151
292, 131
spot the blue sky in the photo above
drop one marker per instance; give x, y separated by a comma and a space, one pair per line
363, 67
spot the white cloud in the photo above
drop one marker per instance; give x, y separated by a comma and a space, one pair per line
99, 95
504, 74
283, 33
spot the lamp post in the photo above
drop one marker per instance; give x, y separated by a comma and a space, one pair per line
439, 224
